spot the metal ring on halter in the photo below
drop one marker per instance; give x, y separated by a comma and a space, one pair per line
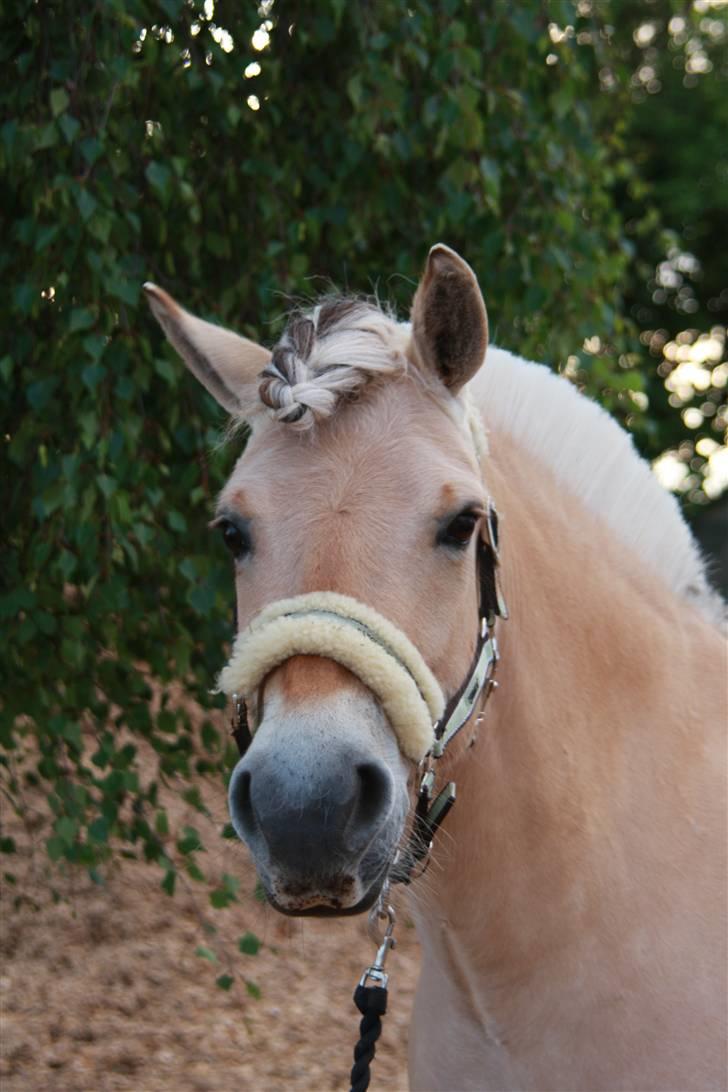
381, 911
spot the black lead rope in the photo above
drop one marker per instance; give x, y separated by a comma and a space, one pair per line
370, 996
372, 1004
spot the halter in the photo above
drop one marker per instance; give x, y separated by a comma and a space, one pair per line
373, 648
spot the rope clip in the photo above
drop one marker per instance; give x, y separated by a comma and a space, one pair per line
379, 912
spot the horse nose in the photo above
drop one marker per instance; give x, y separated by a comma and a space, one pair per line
312, 821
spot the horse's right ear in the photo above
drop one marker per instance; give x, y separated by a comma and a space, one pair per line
449, 320
225, 363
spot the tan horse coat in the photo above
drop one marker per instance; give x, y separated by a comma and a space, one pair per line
584, 873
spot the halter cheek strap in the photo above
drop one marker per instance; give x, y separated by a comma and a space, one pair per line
430, 810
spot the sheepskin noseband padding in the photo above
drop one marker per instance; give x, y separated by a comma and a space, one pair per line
340, 628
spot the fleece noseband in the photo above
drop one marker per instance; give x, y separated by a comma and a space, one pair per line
340, 628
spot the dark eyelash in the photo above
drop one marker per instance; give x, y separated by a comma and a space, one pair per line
235, 534
458, 532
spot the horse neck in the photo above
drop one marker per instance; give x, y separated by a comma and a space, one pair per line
583, 763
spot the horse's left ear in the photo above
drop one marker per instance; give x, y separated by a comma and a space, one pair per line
449, 320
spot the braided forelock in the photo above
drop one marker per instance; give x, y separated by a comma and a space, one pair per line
324, 356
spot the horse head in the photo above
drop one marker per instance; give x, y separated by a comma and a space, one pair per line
360, 484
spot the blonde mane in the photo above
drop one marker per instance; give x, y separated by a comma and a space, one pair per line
596, 460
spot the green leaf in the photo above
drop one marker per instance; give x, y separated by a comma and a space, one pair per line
40, 393
194, 871
159, 178
189, 842
106, 484
94, 345
224, 981
66, 829
166, 370
100, 227
70, 127
55, 847
169, 881
249, 944
210, 737
91, 149
81, 319
253, 989
98, 831
206, 953
92, 375
45, 237
46, 137
59, 101
177, 521
202, 598
86, 203
125, 290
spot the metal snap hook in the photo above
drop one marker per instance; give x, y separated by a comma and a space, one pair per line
380, 912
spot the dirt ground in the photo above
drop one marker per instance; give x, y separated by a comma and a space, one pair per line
103, 990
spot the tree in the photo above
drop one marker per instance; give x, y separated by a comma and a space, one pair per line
675, 68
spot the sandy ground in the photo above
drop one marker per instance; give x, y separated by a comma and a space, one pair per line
104, 990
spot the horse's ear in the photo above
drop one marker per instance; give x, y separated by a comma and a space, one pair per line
449, 320
227, 364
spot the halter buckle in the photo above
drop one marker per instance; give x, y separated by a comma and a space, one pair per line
428, 818
491, 525
240, 728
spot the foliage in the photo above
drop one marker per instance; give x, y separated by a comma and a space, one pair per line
235, 156
675, 67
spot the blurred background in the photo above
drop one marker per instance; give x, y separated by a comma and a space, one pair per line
242, 155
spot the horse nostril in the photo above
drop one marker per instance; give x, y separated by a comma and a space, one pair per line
305, 820
241, 806
375, 791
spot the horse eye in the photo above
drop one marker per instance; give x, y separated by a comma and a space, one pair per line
236, 540
459, 531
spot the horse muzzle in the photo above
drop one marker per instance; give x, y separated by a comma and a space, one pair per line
321, 794
320, 799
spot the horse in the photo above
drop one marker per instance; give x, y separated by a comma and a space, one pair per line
572, 923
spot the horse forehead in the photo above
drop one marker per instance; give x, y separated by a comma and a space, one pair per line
360, 482
399, 443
